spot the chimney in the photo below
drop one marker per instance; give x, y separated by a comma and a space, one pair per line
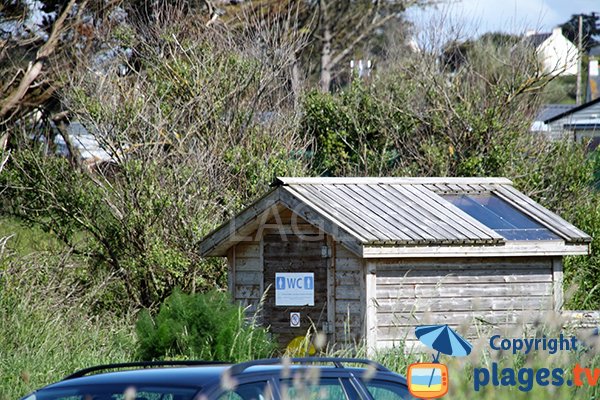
557, 31
530, 33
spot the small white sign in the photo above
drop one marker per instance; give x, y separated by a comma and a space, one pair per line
295, 320
294, 289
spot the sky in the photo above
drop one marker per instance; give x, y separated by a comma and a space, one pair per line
514, 16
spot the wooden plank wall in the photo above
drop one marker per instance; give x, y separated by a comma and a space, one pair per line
246, 258
465, 293
294, 255
247, 262
246, 279
349, 296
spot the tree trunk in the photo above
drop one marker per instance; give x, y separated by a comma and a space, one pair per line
325, 78
74, 156
296, 82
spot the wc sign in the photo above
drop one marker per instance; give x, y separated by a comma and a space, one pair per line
294, 289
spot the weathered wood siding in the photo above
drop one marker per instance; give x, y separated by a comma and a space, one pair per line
557, 131
459, 292
294, 255
284, 243
246, 274
349, 296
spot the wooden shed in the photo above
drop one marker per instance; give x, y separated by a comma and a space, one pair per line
371, 258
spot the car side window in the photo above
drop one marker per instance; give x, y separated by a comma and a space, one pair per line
260, 390
386, 390
304, 389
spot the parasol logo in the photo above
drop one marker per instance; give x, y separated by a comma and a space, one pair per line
430, 380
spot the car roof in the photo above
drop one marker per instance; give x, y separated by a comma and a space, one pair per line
201, 375
171, 376
192, 376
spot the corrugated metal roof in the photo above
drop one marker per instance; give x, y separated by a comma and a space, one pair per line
413, 211
400, 213
573, 110
548, 111
393, 213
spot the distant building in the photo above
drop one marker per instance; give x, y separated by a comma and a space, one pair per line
557, 54
89, 150
577, 123
546, 112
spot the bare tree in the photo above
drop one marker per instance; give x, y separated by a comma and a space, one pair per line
345, 25
33, 52
336, 29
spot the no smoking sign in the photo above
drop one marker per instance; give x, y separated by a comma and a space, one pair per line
295, 320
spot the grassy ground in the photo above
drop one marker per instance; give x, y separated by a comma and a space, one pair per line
42, 339
46, 332
40, 345
21, 239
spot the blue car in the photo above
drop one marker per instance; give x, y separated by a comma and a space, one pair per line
269, 379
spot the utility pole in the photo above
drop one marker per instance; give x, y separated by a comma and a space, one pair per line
579, 93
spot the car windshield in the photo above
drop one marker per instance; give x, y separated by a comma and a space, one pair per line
115, 392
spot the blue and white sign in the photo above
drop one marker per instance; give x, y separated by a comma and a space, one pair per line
295, 320
294, 289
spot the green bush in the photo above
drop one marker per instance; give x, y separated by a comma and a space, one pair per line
354, 131
203, 326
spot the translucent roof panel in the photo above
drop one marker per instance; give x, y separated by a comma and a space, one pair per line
502, 217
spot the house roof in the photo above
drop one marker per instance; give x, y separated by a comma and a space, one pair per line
86, 143
405, 213
548, 111
536, 39
572, 110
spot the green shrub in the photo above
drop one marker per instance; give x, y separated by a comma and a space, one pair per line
203, 326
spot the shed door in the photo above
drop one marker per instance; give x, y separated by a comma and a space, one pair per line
294, 255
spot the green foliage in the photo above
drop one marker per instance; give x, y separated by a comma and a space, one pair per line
384, 129
46, 332
132, 238
201, 326
561, 90
195, 138
354, 131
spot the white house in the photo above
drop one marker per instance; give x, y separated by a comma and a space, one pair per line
557, 54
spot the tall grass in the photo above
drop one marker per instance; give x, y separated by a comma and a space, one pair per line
45, 334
